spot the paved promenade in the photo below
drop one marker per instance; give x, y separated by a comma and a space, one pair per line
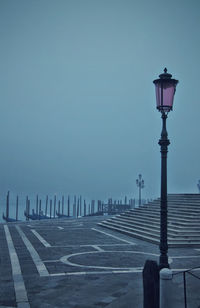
73, 263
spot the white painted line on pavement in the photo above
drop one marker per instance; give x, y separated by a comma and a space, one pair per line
42, 270
65, 259
97, 248
132, 271
40, 238
184, 257
49, 261
19, 286
116, 237
138, 270
61, 228
89, 245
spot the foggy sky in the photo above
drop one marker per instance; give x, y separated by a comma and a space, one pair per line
77, 102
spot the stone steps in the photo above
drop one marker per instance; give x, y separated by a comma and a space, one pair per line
176, 213
156, 221
144, 222
173, 205
170, 211
156, 216
156, 227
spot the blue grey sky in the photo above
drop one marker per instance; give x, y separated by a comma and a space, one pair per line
77, 102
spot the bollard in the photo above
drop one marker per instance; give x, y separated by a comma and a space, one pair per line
151, 284
165, 288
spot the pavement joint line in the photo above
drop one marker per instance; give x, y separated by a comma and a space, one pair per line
41, 268
40, 238
116, 237
19, 286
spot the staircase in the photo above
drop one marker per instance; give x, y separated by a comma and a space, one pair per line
144, 222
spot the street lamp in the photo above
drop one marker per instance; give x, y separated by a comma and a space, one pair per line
140, 185
165, 88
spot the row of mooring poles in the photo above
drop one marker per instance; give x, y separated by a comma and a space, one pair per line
79, 206
57, 206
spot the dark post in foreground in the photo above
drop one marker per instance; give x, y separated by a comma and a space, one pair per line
165, 90
163, 142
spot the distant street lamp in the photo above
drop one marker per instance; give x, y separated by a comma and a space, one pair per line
198, 185
140, 185
165, 88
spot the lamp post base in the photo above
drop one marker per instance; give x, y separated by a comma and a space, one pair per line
163, 262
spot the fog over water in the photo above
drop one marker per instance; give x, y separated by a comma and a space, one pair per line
77, 102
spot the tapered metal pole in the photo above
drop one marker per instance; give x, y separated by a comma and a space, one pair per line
163, 142
139, 193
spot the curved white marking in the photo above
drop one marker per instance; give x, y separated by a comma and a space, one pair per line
65, 259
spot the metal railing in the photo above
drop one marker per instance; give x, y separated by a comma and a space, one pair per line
189, 272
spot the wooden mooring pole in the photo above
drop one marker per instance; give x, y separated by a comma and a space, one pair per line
54, 209
50, 208
62, 205
46, 207
68, 206
7, 204
17, 200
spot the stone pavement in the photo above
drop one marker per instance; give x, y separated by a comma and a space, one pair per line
73, 263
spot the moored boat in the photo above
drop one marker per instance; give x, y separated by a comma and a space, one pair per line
8, 219
62, 215
35, 216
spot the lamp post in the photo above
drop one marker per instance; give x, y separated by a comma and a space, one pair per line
165, 88
140, 185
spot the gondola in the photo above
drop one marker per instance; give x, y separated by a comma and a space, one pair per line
8, 219
62, 215
35, 216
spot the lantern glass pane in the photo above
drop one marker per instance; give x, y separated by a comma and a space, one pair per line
165, 95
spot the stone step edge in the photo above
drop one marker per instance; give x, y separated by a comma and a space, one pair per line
157, 221
171, 210
173, 244
153, 233
157, 217
155, 228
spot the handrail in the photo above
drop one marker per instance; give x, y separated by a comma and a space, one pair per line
184, 280
186, 271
